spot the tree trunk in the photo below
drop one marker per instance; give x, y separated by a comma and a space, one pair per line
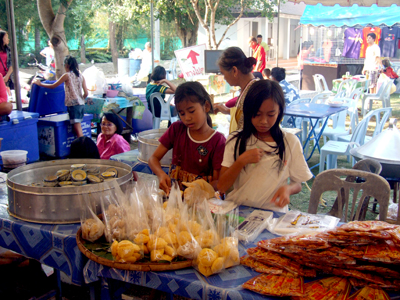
54, 26
187, 36
83, 50
37, 42
113, 46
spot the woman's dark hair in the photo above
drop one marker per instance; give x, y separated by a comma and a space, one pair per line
195, 92
261, 90
2, 46
84, 147
72, 64
278, 73
234, 57
158, 73
113, 118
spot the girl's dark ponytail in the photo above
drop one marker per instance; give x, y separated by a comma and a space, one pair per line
73, 64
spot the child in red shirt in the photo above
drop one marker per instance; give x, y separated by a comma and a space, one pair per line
197, 149
388, 70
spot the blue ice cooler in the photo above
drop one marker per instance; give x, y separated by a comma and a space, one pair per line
47, 101
20, 133
56, 134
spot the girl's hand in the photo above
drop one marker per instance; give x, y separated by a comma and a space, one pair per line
37, 82
282, 196
6, 78
165, 183
252, 156
162, 81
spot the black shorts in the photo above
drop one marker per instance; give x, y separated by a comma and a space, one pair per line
75, 113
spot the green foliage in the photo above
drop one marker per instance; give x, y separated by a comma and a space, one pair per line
99, 56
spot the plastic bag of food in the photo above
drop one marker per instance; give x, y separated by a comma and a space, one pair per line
95, 81
92, 227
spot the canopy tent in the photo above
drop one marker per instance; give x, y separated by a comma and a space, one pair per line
320, 15
380, 3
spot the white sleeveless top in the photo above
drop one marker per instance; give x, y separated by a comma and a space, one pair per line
73, 90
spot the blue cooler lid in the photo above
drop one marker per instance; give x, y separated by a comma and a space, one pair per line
17, 116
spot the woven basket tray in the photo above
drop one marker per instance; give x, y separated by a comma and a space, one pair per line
130, 266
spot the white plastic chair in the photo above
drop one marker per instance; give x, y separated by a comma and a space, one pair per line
332, 149
381, 116
381, 95
165, 113
171, 72
339, 120
348, 85
320, 84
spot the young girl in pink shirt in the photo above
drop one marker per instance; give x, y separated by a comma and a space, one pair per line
110, 140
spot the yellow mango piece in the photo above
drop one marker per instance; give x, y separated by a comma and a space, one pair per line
114, 248
184, 237
207, 257
194, 227
158, 243
146, 232
170, 251
234, 255
165, 204
156, 255
206, 271
137, 255
143, 248
166, 257
218, 265
130, 259
170, 238
230, 263
172, 227
141, 238
161, 231
219, 249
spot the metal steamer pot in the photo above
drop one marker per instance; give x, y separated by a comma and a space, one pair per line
148, 143
56, 205
385, 148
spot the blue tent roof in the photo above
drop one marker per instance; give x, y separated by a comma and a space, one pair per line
338, 16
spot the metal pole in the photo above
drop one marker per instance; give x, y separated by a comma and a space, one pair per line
277, 36
11, 28
152, 34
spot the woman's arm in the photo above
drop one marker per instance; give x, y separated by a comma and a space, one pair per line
155, 166
62, 79
219, 107
7, 77
229, 175
215, 178
172, 87
85, 90
282, 195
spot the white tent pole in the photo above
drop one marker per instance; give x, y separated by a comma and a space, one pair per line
152, 34
277, 36
11, 28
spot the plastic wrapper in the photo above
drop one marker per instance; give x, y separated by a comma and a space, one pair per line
253, 225
92, 227
276, 285
368, 226
386, 252
296, 222
331, 288
258, 266
369, 293
95, 81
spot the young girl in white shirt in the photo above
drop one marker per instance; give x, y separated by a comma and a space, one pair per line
259, 160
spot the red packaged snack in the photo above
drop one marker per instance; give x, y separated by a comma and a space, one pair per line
384, 252
331, 288
259, 267
369, 293
276, 285
367, 226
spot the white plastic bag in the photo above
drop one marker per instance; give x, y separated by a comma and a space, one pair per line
95, 81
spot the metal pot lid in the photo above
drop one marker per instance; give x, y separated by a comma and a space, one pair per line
383, 147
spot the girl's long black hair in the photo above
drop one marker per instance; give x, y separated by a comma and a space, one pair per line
196, 93
2, 46
72, 63
257, 94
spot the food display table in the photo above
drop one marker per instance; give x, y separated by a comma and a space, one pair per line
52, 245
186, 282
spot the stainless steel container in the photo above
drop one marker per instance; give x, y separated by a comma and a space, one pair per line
56, 205
148, 143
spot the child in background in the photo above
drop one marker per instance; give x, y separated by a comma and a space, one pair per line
110, 141
197, 148
388, 70
5, 107
266, 73
74, 82
259, 159
84, 147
